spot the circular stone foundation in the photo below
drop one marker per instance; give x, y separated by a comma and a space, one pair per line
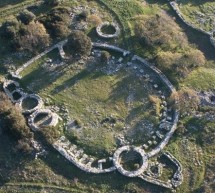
10, 85
17, 95
108, 30
130, 161
42, 118
30, 103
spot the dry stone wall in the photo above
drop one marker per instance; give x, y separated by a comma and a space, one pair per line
175, 7
77, 155
104, 35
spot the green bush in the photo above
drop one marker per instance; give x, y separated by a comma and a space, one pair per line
78, 43
26, 17
57, 22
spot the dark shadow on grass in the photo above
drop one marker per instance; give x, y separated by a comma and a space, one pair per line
46, 77
113, 180
71, 82
11, 162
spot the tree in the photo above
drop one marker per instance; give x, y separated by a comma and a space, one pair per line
57, 22
26, 17
10, 29
13, 123
32, 37
160, 30
53, 2
78, 43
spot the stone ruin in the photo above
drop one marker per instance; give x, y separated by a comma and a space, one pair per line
31, 105
40, 118
160, 138
207, 98
117, 160
99, 30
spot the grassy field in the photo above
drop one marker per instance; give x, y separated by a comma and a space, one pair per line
125, 13
94, 96
200, 13
201, 79
91, 96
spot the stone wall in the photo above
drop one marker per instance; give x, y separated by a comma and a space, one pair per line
65, 148
103, 35
25, 65
116, 161
50, 115
175, 7
111, 47
34, 96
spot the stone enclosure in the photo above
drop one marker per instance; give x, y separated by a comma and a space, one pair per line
39, 116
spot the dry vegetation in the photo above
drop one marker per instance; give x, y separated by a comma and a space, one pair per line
172, 51
13, 122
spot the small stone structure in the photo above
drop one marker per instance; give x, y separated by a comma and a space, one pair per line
119, 167
49, 119
174, 182
11, 87
104, 35
36, 98
177, 177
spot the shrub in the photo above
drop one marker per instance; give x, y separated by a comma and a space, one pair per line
13, 122
161, 30
78, 43
32, 37
188, 101
169, 44
95, 20
105, 56
24, 145
51, 134
26, 17
57, 22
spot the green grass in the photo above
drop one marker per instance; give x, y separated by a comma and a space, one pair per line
91, 96
200, 79
125, 13
193, 9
